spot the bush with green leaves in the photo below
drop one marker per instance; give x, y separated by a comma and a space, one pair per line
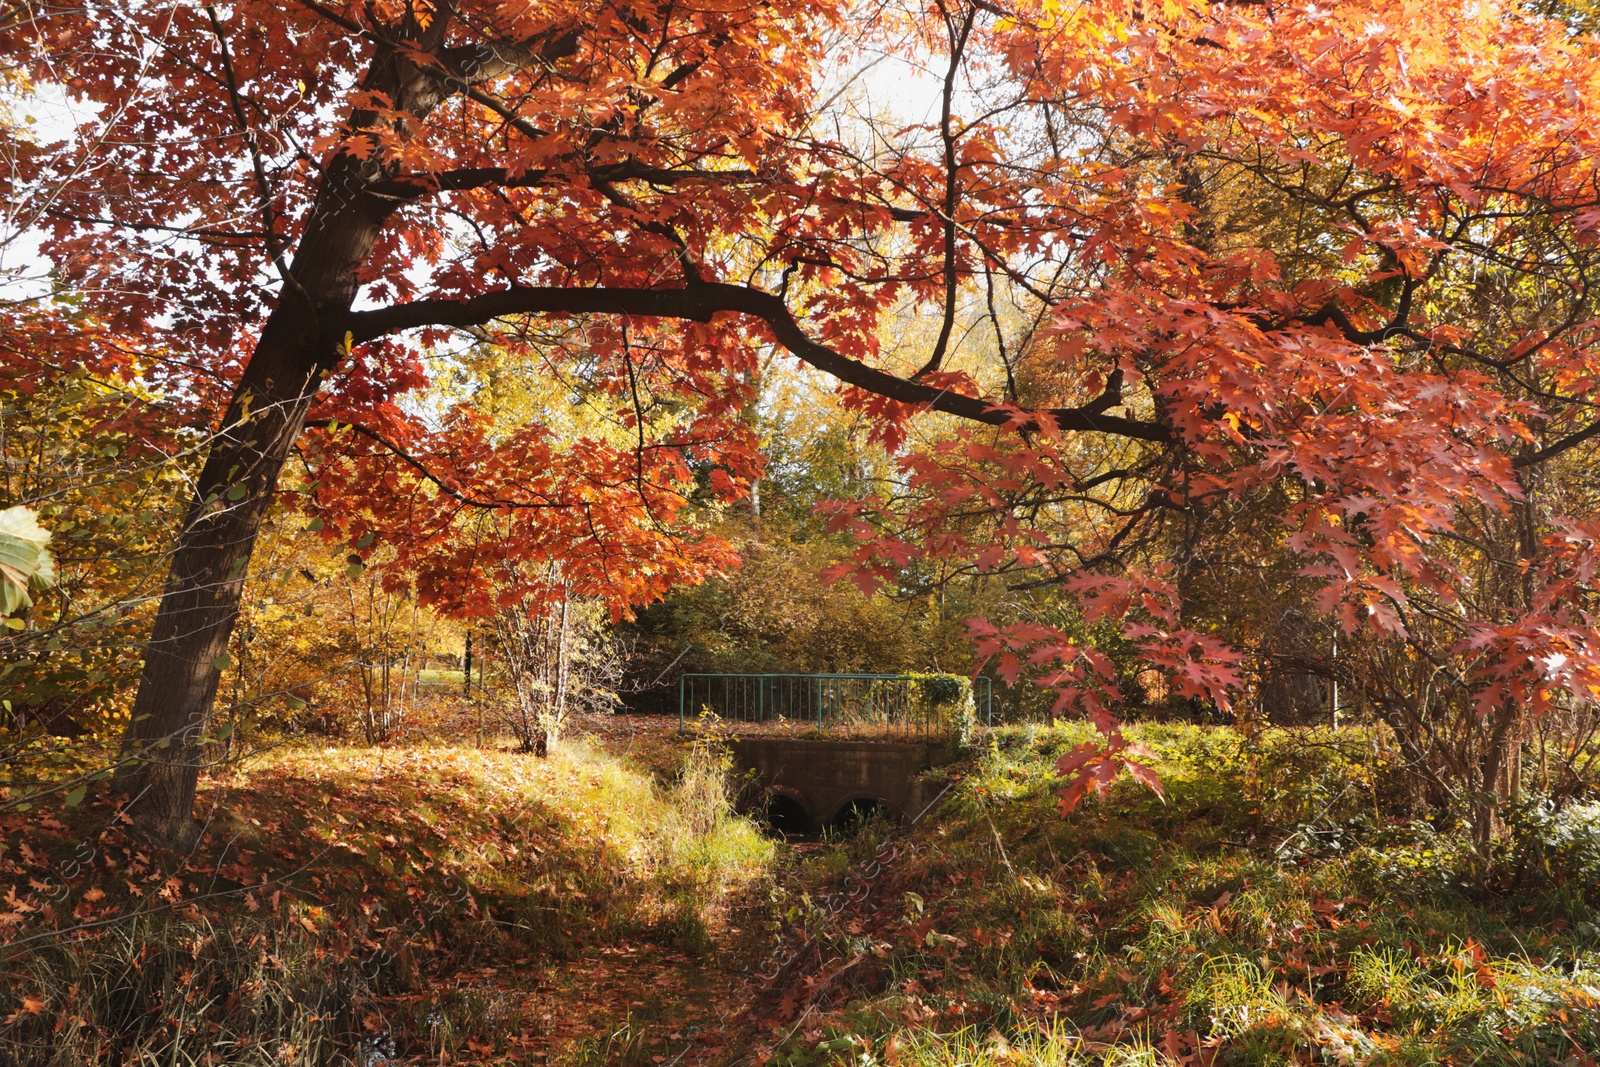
1560, 846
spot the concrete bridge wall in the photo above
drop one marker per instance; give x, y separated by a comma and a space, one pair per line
824, 777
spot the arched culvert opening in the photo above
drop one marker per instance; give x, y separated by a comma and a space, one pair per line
787, 816
855, 814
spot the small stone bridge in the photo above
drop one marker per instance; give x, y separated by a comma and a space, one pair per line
810, 783
886, 730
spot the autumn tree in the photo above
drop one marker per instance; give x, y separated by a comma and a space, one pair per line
1171, 255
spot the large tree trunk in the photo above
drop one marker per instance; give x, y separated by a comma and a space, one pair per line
161, 751
302, 339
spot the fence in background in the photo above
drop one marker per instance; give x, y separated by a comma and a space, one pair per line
897, 706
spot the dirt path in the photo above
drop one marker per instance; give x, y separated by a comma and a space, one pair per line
642, 1002
730, 1006
646, 1001
628, 1004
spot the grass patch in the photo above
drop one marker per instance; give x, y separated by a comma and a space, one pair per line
1267, 912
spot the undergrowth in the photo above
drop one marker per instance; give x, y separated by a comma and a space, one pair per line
340, 895
1267, 911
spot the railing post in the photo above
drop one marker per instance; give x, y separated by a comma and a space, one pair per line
681, 679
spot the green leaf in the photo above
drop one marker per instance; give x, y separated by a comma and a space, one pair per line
222, 662
367, 539
353, 571
75, 797
25, 561
237, 492
314, 525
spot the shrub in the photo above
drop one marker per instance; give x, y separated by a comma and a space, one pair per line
949, 699
1560, 846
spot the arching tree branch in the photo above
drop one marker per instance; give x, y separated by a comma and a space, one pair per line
699, 303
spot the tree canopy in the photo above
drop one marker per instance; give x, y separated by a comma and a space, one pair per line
1156, 293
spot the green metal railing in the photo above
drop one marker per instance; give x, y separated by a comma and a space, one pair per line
894, 705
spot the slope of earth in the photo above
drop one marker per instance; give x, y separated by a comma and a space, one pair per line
402, 904
1274, 908
454, 904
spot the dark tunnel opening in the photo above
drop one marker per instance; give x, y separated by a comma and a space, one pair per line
856, 814
787, 816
